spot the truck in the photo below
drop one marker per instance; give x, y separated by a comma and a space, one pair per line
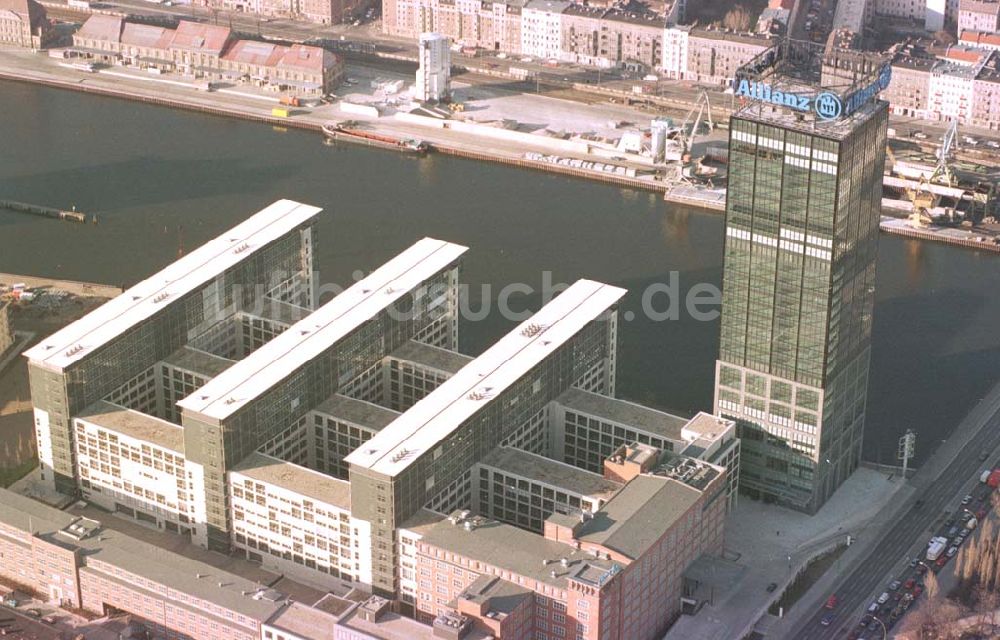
990, 477
290, 101
936, 547
280, 112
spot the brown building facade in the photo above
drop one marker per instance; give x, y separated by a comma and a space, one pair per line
23, 23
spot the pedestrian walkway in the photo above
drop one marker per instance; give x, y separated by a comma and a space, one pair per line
775, 543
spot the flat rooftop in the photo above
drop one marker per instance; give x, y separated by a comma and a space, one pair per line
305, 622
140, 302
664, 425
363, 414
639, 514
311, 484
469, 391
422, 521
135, 424
551, 472
197, 361
431, 357
808, 122
516, 550
499, 595
307, 339
178, 572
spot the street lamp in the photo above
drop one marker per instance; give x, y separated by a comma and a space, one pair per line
885, 632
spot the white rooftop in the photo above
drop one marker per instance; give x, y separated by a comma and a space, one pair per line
438, 414
305, 340
157, 292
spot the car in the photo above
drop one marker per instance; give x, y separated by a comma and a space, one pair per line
921, 569
50, 619
952, 532
917, 590
827, 620
920, 135
34, 613
949, 522
914, 562
941, 562
994, 144
894, 585
865, 619
11, 601
882, 599
854, 635
966, 500
966, 515
872, 626
909, 584
771, 587
873, 607
896, 596
831, 602
952, 551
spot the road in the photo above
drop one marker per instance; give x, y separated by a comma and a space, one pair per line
873, 572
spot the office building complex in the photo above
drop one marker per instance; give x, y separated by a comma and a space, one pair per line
434, 71
798, 285
347, 445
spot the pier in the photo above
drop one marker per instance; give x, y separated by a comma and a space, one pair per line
45, 212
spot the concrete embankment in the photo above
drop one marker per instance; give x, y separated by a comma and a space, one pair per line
45, 212
69, 286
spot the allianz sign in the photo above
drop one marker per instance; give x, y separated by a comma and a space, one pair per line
828, 106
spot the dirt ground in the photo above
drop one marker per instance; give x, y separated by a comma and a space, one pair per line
17, 439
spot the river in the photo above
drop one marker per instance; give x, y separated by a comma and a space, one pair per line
160, 180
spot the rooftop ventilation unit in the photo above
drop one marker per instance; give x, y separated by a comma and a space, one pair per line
532, 330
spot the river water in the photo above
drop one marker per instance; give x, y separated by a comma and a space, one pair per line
159, 179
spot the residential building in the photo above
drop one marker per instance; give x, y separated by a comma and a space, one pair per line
908, 93
23, 23
612, 37
986, 96
6, 332
952, 80
714, 55
209, 52
541, 28
434, 68
802, 218
980, 40
853, 15
979, 15
674, 64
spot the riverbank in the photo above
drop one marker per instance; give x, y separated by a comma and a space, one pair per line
244, 103
469, 139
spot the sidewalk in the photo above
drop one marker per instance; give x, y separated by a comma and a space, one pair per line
926, 475
774, 544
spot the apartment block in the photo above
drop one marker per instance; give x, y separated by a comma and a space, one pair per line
612, 37
979, 15
23, 23
714, 55
541, 28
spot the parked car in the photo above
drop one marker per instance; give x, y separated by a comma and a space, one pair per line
882, 599
771, 587
827, 620
909, 584
894, 585
873, 607
952, 551
966, 500
917, 590
831, 602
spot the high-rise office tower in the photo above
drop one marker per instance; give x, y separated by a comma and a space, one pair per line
802, 215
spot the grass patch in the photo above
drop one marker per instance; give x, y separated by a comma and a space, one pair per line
10, 475
806, 579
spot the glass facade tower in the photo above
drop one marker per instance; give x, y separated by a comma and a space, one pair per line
802, 218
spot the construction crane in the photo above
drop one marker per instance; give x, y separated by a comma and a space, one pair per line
704, 107
949, 144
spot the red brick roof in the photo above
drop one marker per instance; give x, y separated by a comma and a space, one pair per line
781, 4
205, 38
253, 52
980, 38
144, 35
100, 27
305, 58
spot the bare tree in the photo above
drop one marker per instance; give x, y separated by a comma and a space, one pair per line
737, 19
944, 38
